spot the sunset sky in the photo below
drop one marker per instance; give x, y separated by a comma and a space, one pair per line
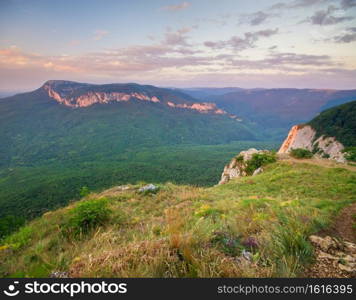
261, 43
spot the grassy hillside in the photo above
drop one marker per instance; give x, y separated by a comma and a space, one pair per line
339, 122
186, 231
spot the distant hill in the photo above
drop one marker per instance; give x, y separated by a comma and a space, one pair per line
274, 111
67, 118
201, 93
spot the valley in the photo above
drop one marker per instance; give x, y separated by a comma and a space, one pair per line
71, 148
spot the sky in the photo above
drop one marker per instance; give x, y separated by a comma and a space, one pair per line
173, 43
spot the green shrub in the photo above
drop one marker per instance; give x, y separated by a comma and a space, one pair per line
84, 191
87, 216
292, 243
350, 153
325, 155
20, 238
316, 148
258, 160
9, 224
301, 153
240, 158
292, 249
206, 210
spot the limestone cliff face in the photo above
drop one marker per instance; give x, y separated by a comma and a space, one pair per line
76, 95
89, 98
304, 136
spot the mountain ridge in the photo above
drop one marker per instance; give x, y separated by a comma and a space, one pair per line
276, 109
79, 95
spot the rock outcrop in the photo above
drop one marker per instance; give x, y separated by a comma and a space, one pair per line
305, 137
75, 95
237, 166
68, 97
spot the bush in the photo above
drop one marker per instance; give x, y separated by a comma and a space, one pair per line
84, 191
350, 153
207, 210
20, 238
87, 216
258, 160
301, 153
240, 158
9, 224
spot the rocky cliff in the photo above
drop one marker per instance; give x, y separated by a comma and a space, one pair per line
75, 95
305, 137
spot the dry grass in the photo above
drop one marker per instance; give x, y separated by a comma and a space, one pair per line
174, 233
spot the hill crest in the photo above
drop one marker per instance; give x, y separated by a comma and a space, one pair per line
79, 95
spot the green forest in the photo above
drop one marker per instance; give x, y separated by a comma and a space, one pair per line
29, 191
339, 121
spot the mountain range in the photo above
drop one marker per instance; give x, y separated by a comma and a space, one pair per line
68, 140
66, 135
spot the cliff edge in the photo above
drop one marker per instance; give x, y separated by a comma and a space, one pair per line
305, 137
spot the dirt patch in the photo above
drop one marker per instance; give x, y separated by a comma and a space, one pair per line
340, 261
342, 226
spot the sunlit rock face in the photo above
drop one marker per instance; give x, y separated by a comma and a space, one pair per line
298, 137
200, 107
304, 136
68, 97
75, 95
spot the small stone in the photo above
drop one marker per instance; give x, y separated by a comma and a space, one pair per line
346, 268
246, 255
59, 274
325, 244
257, 171
148, 188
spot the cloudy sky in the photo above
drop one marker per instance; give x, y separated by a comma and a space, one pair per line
261, 43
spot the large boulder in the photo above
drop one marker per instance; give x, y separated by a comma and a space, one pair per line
305, 137
237, 166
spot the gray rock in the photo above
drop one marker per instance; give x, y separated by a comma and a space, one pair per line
257, 171
148, 188
59, 274
246, 255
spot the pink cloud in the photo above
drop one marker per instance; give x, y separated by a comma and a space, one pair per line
176, 7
